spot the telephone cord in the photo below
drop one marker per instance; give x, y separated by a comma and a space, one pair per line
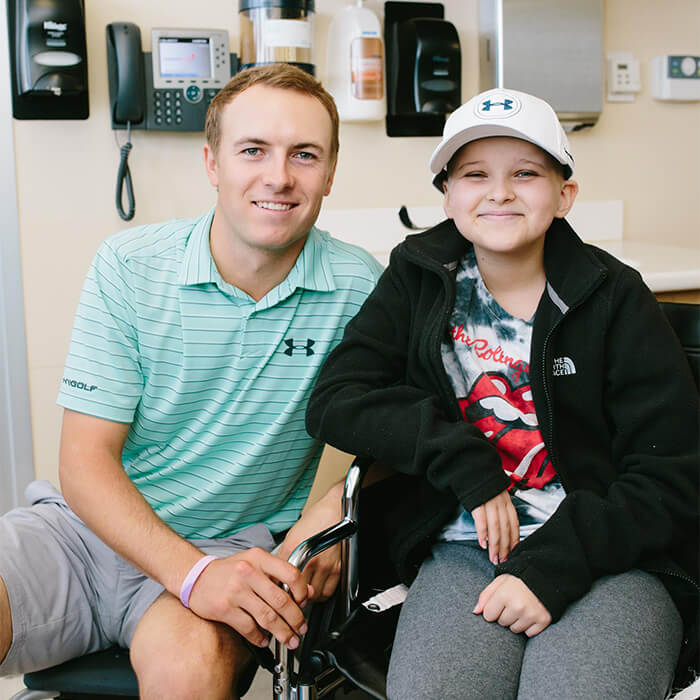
124, 178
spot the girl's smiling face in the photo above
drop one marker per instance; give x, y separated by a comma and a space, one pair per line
503, 193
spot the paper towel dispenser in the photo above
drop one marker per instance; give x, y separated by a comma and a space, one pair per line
550, 48
423, 68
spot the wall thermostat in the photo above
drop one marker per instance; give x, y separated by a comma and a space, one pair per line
675, 78
623, 77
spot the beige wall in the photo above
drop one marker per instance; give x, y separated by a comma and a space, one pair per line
646, 153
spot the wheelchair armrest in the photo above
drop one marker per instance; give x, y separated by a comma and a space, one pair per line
343, 533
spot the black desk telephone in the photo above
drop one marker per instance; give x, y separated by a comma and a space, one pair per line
168, 89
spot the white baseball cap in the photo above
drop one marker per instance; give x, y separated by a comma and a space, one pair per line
502, 112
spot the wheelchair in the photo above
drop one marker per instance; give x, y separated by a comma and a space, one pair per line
347, 647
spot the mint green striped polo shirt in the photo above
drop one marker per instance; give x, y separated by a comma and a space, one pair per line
213, 384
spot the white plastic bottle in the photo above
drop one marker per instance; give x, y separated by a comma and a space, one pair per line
355, 64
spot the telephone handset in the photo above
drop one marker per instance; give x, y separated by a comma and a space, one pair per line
127, 88
168, 89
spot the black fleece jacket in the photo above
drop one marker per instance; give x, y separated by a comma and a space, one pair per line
621, 427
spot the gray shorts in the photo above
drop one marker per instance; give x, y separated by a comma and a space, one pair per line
69, 593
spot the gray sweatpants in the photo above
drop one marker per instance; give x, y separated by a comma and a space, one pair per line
621, 640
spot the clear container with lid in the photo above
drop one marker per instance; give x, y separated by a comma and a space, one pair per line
277, 31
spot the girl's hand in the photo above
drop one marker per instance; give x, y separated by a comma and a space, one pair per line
497, 526
508, 601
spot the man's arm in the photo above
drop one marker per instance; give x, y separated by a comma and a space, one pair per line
323, 571
240, 590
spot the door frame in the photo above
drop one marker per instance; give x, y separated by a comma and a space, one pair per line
16, 455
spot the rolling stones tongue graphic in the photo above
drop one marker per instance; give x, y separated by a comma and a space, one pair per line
506, 415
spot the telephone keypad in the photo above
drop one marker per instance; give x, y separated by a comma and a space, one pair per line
168, 107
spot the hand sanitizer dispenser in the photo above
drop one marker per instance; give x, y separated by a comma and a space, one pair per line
355, 64
49, 57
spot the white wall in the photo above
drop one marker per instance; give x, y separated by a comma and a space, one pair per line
645, 153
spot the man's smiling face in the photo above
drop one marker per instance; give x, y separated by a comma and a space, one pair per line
272, 168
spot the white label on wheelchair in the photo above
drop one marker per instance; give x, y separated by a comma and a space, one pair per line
387, 599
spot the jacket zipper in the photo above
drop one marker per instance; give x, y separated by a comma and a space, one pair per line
549, 443
550, 413
675, 574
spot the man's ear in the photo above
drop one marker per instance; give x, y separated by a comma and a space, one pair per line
210, 165
567, 196
331, 175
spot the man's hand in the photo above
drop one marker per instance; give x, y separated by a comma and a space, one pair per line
508, 601
243, 591
497, 526
323, 571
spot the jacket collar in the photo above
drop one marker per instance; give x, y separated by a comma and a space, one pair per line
572, 269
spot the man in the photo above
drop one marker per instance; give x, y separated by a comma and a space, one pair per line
195, 347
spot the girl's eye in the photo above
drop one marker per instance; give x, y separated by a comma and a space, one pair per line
526, 173
474, 175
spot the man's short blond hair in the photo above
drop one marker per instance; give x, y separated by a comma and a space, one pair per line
283, 76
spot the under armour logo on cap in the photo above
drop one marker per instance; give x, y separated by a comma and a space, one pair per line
487, 104
291, 347
498, 106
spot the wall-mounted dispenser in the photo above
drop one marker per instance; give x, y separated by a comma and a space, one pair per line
277, 31
423, 67
549, 48
48, 55
355, 64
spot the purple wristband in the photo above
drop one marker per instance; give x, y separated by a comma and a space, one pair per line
192, 577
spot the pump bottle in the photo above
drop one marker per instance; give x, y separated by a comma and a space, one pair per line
355, 64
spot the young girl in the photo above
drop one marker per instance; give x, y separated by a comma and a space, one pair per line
533, 384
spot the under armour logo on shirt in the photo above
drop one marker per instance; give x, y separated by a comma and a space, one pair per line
291, 346
562, 366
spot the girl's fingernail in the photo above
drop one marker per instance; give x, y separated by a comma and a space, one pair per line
293, 643
304, 629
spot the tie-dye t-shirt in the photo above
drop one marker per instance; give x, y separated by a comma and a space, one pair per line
486, 356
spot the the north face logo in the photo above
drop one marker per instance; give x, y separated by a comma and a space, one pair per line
562, 366
291, 346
